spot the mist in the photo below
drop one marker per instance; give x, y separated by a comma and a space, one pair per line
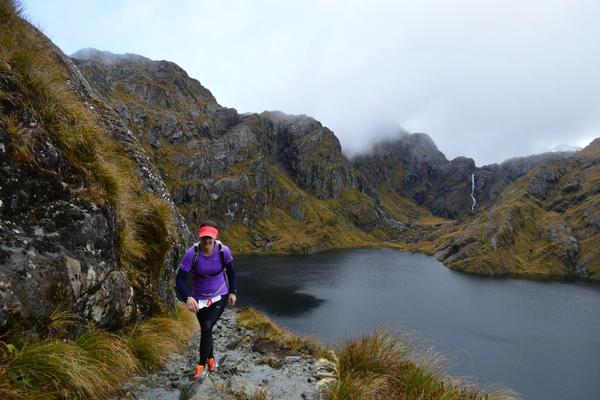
488, 80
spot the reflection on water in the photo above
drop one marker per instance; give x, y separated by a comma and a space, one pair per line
539, 338
279, 299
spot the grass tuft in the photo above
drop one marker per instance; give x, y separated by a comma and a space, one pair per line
156, 338
21, 148
263, 327
381, 365
62, 321
55, 366
94, 365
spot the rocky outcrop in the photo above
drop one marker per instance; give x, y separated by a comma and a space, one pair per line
491, 180
57, 247
412, 166
310, 153
61, 226
247, 365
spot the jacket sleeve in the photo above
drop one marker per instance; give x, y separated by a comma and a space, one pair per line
231, 277
181, 282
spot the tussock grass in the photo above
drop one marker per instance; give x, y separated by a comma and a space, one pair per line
22, 144
386, 365
155, 339
263, 327
59, 367
93, 365
62, 321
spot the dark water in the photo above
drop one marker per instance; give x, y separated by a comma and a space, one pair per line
541, 339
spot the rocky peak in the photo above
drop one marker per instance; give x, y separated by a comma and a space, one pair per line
218, 163
310, 153
491, 180
158, 89
413, 166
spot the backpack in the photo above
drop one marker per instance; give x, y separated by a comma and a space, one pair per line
191, 276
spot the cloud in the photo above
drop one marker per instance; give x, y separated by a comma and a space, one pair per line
485, 79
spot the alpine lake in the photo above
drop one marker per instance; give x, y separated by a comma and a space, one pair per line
540, 339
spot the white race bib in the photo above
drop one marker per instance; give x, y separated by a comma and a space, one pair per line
208, 302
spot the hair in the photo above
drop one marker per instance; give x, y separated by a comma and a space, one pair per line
208, 222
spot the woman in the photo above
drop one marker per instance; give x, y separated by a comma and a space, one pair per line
213, 285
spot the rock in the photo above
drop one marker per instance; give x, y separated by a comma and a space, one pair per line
544, 182
241, 371
5, 141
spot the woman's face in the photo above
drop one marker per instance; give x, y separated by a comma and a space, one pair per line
207, 243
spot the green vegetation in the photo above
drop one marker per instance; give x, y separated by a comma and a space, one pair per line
93, 365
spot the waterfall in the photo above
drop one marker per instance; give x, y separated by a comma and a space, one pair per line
473, 193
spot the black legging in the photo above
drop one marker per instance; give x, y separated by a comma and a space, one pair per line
207, 317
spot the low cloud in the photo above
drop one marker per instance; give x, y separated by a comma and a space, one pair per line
485, 79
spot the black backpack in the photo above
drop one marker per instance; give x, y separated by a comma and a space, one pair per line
191, 276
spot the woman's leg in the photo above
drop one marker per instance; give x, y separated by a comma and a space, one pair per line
207, 317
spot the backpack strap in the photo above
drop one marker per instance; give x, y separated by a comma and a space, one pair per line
196, 251
221, 254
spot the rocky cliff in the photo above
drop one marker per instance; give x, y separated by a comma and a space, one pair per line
88, 228
273, 181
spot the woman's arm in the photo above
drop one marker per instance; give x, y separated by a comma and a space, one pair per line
182, 288
231, 277
181, 280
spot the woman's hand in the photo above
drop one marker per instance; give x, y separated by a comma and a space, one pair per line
232, 299
191, 304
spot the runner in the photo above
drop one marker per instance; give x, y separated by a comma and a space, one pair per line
210, 264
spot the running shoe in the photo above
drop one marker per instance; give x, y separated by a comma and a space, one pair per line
212, 365
198, 372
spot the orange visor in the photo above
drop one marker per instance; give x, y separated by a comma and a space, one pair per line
208, 231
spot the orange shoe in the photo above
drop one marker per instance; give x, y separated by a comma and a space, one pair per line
199, 371
212, 365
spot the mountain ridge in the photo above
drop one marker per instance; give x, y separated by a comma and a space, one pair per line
400, 191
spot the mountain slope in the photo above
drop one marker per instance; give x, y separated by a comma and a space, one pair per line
257, 175
544, 224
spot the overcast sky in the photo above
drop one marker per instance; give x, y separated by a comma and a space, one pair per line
485, 79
